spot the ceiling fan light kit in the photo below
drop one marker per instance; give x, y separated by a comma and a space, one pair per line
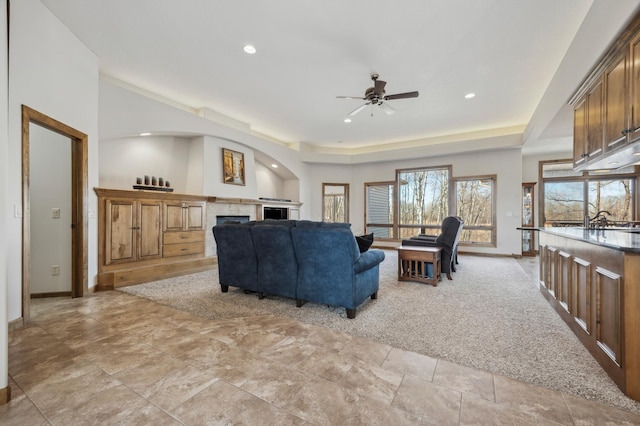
376, 96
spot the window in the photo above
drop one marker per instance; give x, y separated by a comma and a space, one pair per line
423, 200
569, 196
335, 202
475, 204
379, 209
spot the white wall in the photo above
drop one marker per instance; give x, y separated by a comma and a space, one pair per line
269, 185
124, 113
52, 72
50, 187
125, 159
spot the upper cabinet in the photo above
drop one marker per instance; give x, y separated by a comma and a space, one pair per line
607, 107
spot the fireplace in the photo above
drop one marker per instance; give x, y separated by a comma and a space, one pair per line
275, 213
231, 218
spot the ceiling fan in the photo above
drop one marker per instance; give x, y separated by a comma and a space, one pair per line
376, 96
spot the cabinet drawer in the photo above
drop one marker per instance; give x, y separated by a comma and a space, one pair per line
183, 237
171, 250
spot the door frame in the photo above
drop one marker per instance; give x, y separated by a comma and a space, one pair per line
79, 197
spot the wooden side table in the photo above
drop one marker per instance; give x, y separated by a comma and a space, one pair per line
413, 261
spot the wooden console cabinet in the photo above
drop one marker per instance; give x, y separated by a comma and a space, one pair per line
145, 236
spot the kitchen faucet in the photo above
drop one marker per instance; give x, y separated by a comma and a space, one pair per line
600, 220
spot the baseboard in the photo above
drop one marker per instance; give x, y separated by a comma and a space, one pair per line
16, 324
51, 294
5, 395
126, 277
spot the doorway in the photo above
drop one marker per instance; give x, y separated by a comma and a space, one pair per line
78, 226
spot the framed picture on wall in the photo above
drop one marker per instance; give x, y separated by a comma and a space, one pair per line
233, 167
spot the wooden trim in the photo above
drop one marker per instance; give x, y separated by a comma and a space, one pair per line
51, 294
5, 395
79, 190
142, 274
16, 324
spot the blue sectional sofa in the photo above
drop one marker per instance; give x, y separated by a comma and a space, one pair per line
303, 260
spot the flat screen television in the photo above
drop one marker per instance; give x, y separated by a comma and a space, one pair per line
278, 213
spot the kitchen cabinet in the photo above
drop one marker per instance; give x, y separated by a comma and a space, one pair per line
133, 230
590, 277
588, 141
184, 223
145, 236
607, 106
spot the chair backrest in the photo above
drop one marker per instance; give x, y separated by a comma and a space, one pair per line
451, 229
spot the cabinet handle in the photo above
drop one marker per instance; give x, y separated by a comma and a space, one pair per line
135, 227
184, 237
584, 155
625, 131
184, 249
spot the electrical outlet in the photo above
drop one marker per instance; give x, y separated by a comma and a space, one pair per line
17, 210
55, 213
55, 269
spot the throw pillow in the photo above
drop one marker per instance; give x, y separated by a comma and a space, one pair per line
364, 242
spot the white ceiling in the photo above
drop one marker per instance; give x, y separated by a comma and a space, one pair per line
308, 52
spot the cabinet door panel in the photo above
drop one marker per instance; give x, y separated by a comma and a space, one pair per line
195, 216
174, 217
120, 232
615, 107
582, 293
150, 242
594, 121
635, 90
564, 280
608, 314
580, 134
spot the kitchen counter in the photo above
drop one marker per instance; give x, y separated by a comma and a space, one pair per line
622, 239
591, 277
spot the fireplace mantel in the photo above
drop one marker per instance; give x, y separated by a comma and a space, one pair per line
228, 200
227, 206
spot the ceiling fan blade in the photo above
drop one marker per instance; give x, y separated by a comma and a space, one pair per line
378, 87
349, 97
357, 110
401, 96
388, 109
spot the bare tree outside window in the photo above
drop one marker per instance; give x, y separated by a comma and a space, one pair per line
569, 196
423, 200
335, 202
475, 205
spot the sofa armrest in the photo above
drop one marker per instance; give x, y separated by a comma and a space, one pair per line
368, 260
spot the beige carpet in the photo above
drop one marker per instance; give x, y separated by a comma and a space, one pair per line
491, 316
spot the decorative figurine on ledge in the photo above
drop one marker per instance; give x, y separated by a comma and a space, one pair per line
153, 184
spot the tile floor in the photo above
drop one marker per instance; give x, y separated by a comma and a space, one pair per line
113, 358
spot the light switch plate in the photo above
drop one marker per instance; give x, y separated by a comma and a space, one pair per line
55, 213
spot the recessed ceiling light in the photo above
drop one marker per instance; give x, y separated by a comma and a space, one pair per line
636, 153
248, 48
275, 166
145, 134
347, 120
469, 95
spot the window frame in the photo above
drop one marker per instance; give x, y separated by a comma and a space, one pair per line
346, 198
468, 227
394, 202
585, 177
424, 228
